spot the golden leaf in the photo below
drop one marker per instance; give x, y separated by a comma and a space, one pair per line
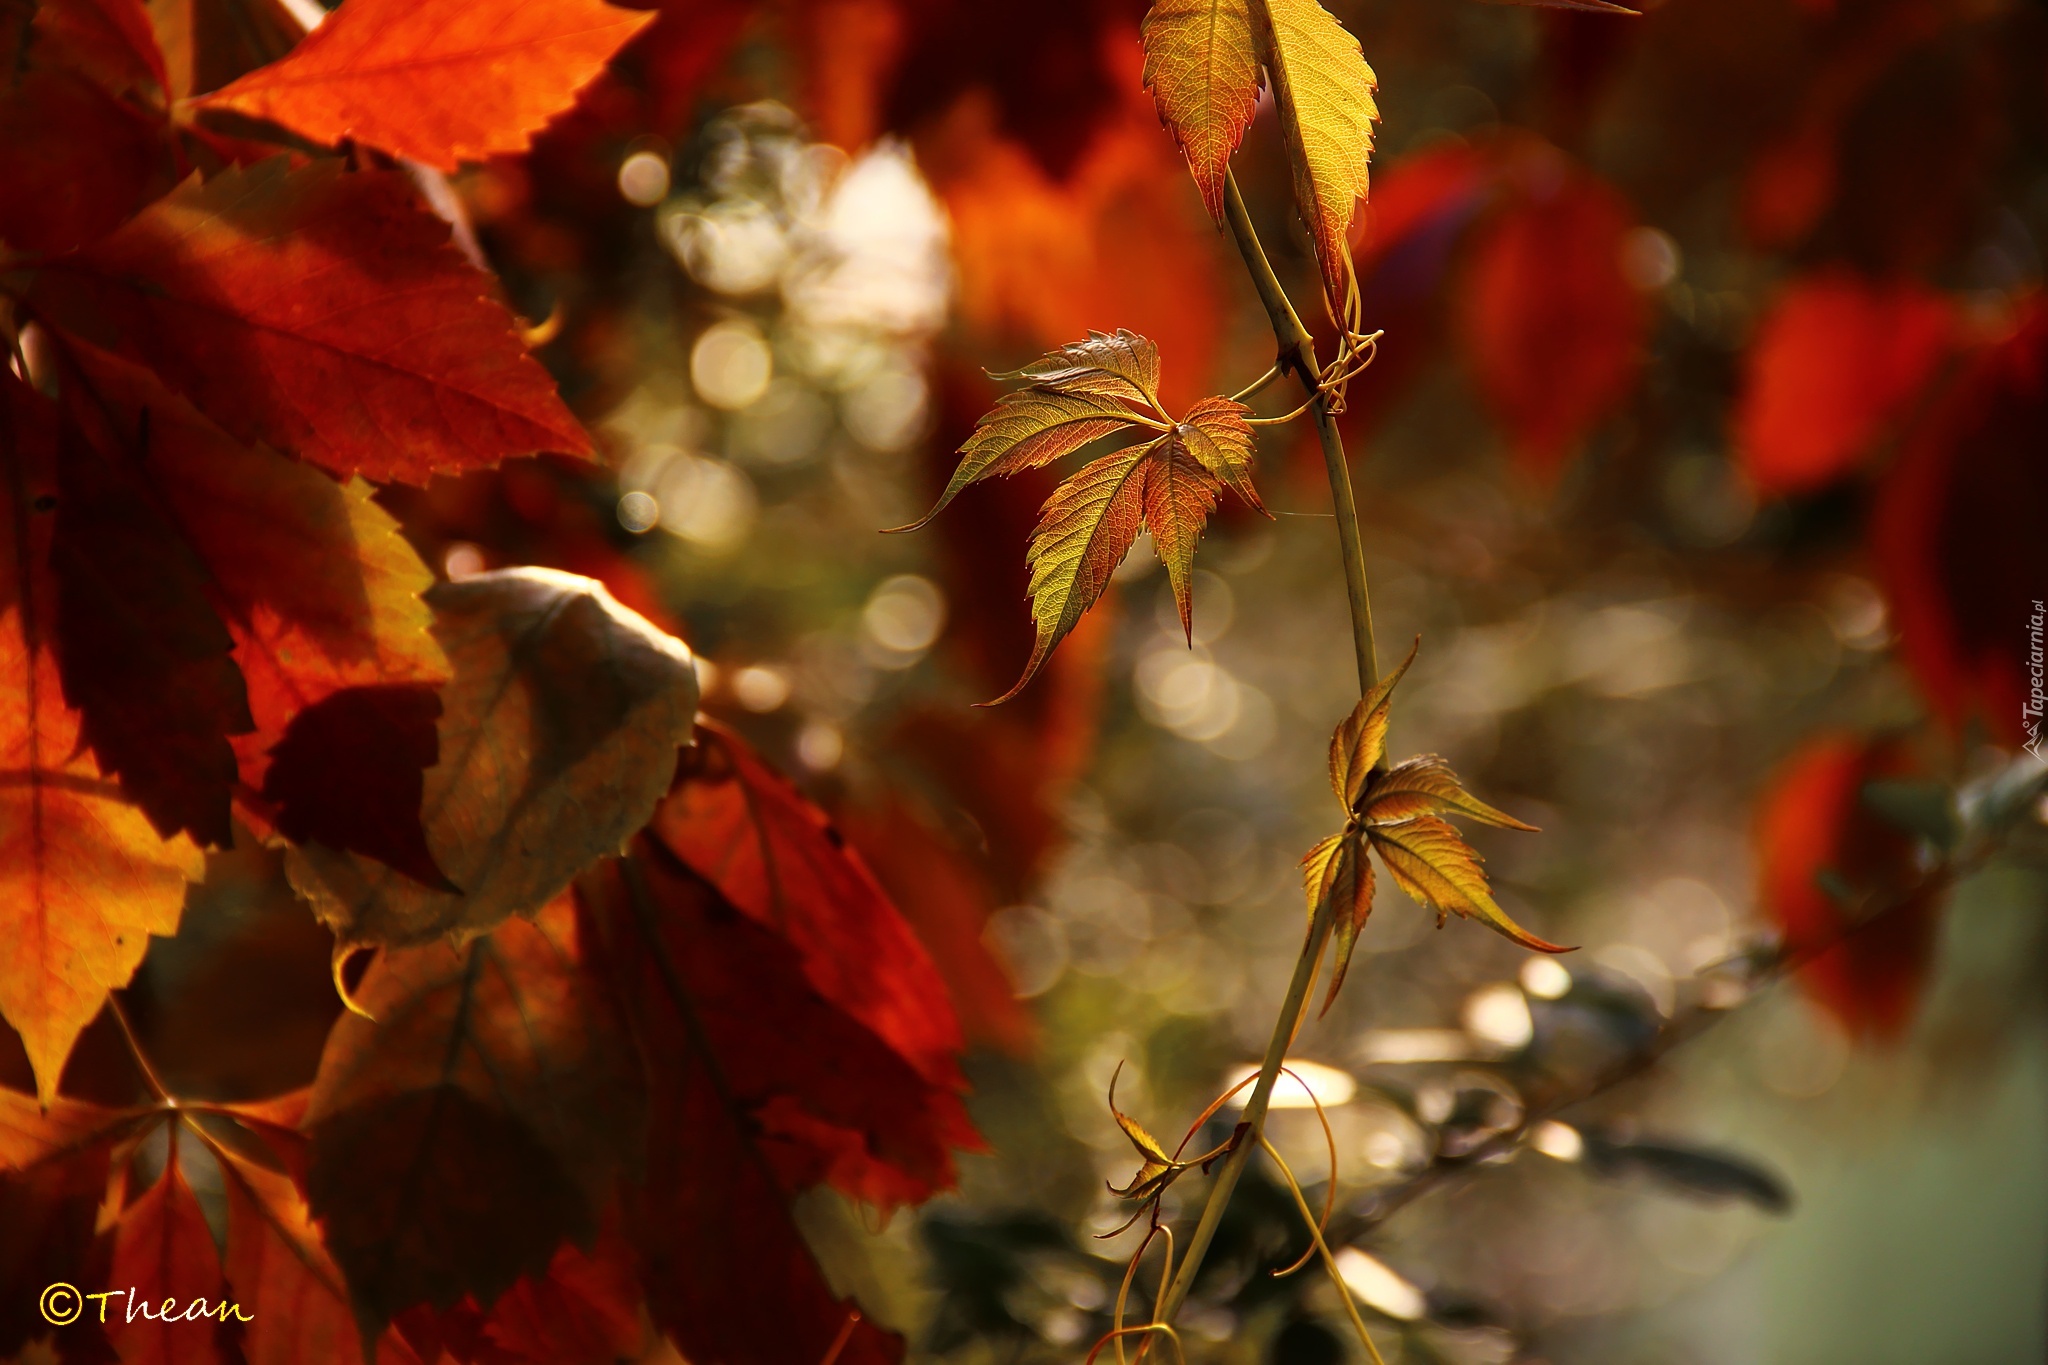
1029, 428
1115, 365
1324, 90
1337, 871
1425, 785
1216, 434
1179, 496
1359, 743
1203, 72
1156, 1170
1435, 866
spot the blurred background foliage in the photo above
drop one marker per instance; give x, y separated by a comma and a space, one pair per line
1707, 453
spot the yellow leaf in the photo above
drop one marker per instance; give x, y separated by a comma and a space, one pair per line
1179, 496
1084, 531
1337, 871
1029, 428
1217, 435
1115, 365
1425, 785
1433, 864
1324, 90
1203, 72
1156, 1170
1359, 743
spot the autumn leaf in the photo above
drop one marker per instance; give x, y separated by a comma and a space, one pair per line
496, 1066
1813, 828
557, 736
1156, 1169
278, 1265
1203, 70
1550, 267
1835, 361
84, 879
1324, 91
163, 1250
321, 312
1955, 535
775, 858
756, 1077
142, 653
1078, 394
437, 81
1394, 812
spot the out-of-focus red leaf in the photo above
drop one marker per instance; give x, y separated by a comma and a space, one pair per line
164, 1253
1958, 537
948, 899
321, 312
1553, 329
1835, 361
277, 1264
498, 1067
1790, 184
143, 655
350, 772
84, 879
774, 856
584, 1311
438, 81
742, 1056
1812, 825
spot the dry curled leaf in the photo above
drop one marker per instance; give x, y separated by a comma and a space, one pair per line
558, 735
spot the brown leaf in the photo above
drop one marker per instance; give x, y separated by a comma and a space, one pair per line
477, 1121
1425, 785
1338, 872
557, 737
1360, 741
1435, 866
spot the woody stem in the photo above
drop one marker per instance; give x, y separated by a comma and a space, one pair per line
1298, 354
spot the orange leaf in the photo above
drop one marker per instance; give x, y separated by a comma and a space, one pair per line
1553, 330
439, 81
1834, 362
84, 879
1203, 71
163, 1255
321, 312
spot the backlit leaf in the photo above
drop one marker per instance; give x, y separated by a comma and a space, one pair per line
437, 81
1836, 360
1033, 427
557, 737
164, 1250
1215, 432
1337, 872
1179, 496
1203, 70
84, 879
1425, 785
322, 312
1156, 1169
1084, 531
1435, 866
499, 1067
1121, 364
1360, 740
1324, 91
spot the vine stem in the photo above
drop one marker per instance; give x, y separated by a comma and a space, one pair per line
1297, 354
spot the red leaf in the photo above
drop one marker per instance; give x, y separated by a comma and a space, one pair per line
726, 1024
1835, 361
1958, 538
82, 129
776, 858
350, 773
321, 312
164, 1255
1553, 330
277, 1265
143, 655
584, 1311
439, 81
1811, 821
